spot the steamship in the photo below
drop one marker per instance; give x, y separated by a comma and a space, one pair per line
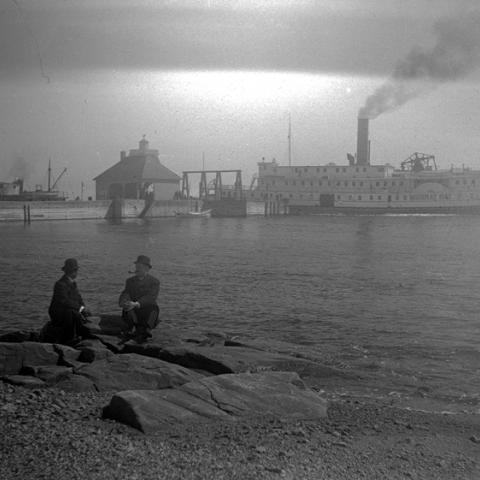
14, 191
418, 186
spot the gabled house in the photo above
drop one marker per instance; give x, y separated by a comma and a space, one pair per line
138, 175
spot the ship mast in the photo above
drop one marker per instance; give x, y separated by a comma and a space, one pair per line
289, 141
49, 173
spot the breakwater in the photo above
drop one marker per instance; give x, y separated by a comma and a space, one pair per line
16, 211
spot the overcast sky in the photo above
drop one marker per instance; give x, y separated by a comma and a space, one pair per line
81, 80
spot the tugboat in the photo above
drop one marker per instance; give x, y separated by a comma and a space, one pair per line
14, 191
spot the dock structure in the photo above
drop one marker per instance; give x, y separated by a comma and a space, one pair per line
224, 200
215, 189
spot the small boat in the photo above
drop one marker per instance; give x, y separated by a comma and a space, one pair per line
202, 213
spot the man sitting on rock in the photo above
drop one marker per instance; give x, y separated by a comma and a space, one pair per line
139, 301
67, 308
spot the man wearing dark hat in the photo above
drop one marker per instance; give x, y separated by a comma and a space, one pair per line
139, 300
67, 308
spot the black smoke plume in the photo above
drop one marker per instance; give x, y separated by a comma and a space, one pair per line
19, 168
454, 55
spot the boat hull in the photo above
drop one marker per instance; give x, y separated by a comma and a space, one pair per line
445, 210
201, 214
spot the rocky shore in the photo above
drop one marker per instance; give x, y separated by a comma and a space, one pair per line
54, 413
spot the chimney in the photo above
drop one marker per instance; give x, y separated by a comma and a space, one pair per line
19, 183
363, 143
123, 155
143, 144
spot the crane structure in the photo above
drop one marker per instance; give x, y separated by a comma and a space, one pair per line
253, 182
51, 186
56, 181
418, 162
213, 189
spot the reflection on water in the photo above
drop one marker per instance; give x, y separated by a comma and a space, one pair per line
399, 294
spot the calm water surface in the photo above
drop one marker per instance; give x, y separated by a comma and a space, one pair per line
394, 296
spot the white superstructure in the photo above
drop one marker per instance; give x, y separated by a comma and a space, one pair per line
366, 186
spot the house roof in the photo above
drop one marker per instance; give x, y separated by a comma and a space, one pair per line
138, 169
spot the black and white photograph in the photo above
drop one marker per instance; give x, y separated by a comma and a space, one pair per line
240, 239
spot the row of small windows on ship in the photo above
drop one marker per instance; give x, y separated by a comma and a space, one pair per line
299, 170
337, 169
353, 183
427, 196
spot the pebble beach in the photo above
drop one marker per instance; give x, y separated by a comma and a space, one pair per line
53, 434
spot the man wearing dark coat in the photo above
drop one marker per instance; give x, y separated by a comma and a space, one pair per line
67, 308
139, 300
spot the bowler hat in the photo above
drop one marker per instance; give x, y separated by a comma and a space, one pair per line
71, 265
144, 260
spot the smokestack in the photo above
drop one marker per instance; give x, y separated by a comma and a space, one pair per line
363, 143
19, 183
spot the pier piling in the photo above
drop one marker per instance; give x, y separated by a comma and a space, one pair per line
26, 214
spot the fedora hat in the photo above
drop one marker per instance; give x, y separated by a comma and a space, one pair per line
70, 265
144, 260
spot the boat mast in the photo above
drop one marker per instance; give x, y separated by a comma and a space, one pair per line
49, 173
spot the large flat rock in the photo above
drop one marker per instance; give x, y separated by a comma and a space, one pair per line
50, 374
107, 324
222, 397
132, 371
113, 342
219, 359
13, 356
20, 336
25, 381
92, 350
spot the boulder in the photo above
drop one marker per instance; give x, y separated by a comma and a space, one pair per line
24, 381
76, 383
92, 350
49, 333
219, 359
222, 397
106, 324
93, 325
112, 324
68, 356
50, 374
166, 334
13, 356
112, 342
131, 371
20, 336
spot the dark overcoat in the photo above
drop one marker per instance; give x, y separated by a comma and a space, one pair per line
142, 290
65, 297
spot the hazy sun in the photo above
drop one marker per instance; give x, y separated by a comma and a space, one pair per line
238, 88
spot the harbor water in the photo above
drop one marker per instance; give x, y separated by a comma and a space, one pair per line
395, 298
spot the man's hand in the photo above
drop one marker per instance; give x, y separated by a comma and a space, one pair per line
129, 305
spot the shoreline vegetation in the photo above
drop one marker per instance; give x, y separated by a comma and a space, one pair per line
58, 429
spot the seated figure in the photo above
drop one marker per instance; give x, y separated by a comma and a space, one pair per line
67, 308
139, 301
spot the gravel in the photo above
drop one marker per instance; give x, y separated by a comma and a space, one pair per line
52, 434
